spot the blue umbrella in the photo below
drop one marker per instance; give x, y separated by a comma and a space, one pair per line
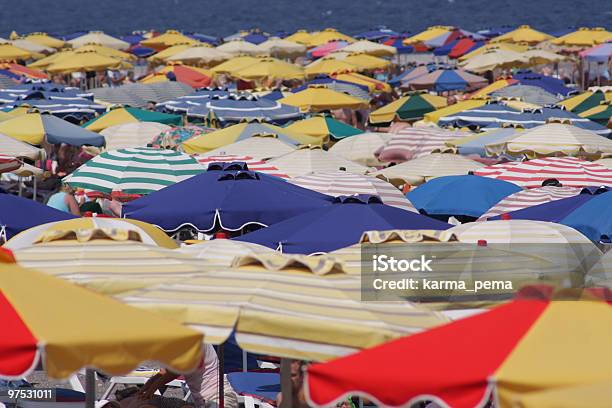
338, 226
463, 196
477, 146
398, 43
132, 39
553, 85
227, 198
18, 214
199, 97
255, 38
58, 131
495, 31
356, 90
210, 39
593, 218
142, 52
557, 210
377, 34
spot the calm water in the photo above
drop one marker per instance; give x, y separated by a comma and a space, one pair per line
223, 17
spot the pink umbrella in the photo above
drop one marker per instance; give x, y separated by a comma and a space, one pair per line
325, 49
414, 142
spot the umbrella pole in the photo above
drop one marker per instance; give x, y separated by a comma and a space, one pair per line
286, 386
90, 388
19, 180
221, 356
35, 187
244, 361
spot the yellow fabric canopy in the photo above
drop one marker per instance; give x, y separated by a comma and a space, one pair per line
300, 37
45, 39
374, 85
325, 36
329, 66
523, 34
455, 108
168, 39
235, 64
584, 37
430, 33
269, 68
364, 61
81, 61
9, 52
318, 99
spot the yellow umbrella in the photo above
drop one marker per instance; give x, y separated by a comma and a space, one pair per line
374, 85
430, 33
277, 47
45, 39
106, 51
300, 36
168, 39
31, 46
199, 54
81, 61
523, 34
320, 98
364, 61
489, 89
270, 68
538, 56
327, 35
494, 58
452, 109
239, 47
578, 396
329, 66
46, 61
9, 52
498, 46
234, 64
99, 38
584, 37
170, 52
371, 48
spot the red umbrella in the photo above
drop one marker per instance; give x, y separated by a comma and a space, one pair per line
461, 48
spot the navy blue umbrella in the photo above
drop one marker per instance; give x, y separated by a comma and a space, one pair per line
338, 226
593, 218
227, 196
550, 84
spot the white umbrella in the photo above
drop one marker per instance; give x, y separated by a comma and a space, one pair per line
203, 54
361, 149
98, 37
132, 134
309, 159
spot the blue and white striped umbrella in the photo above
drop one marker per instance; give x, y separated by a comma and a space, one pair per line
236, 108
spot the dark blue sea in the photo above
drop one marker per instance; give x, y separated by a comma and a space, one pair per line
224, 17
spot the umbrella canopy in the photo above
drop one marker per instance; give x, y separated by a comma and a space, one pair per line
312, 159
270, 68
16, 148
168, 39
252, 164
140, 95
350, 88
460, 106
222, 252
239, 47
34, 128
8, 163
26, 45
414, 142
600, 114
338, 225
364, 62
494, 58
569, 397
374, 85
599, 53
85, 60
169, 52
234, 64
412, 73
131, 134
200, 54
527, 93
569, 171
123, 115
323, 127
237, 108
428, 34
584, 37
321, 98
192, 76
550, 84
19, 214
327, 35
215, 199
242, 131
327, 48
482, 93
300, 36
517, 48
45, 39
338, 183
361, 149
371, 48
505, 352
586, 100
9, 52
469, 195
329, 320
538, 56
173, 137
328, 66
280, 48
35, 306
523, 34
257, 147
138, 170
601, 272
98, 37
428, 167
474, 146
443, 80
411, 107
593, 218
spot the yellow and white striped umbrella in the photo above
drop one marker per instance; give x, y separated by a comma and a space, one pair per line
425, 168
361, 149
277, 47
222, 252
288, 306
136, 134
371, 48
312, 159
259, 147
239, 47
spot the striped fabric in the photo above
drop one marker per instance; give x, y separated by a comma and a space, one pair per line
139, 170
252, 164
414, 142
139, 95
8, 163
259, 148
361, 149
337, 183
222, 252
601, 272
569, 171
308, 160
293, 309
132, 134
529, 198
16, 148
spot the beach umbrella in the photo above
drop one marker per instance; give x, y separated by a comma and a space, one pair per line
173, 137
377, 33
271, 69
168, 39
216, 199
550, 84
443, 80
131, 134
592, 218
45, 39
138, 170
553, 139
325, 36
123, 115
222, 252
460, 106
35, 128
106, 51
258, 147
9, 52
140, 95
371, 48
600, 275
324, 127
586, 100
338, 225
316, 98
502, 46
85, 60
234, 64
600, 114
312, 159
328, 66
241, 131
538, 56
17, 69
327, 48
237, 108
33, 47
483, 93
469, 196
350, 88
526, 93
16, 148
398, 44
72, 55
284, 327
599, 53
607, 162
363, 61
281, 48
169, 52
98, 37
462, 47
374, 85
239, 47
505, 352
474, 146
36, 307
428, 34
523, 34
192, 76
252, 164
200, 54
569, 397
339, 183
529, 198
361, 149
584, 37
414, 142
569, 171
19, 214
410, 107
425, 168
494, 58
300, 36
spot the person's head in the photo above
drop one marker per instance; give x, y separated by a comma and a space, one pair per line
66, 188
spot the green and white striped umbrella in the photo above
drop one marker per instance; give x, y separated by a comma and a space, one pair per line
138, 170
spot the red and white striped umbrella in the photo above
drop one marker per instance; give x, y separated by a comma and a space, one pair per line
529, 198
337, 183
254, 165
8, 163
569, 171
411, 143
